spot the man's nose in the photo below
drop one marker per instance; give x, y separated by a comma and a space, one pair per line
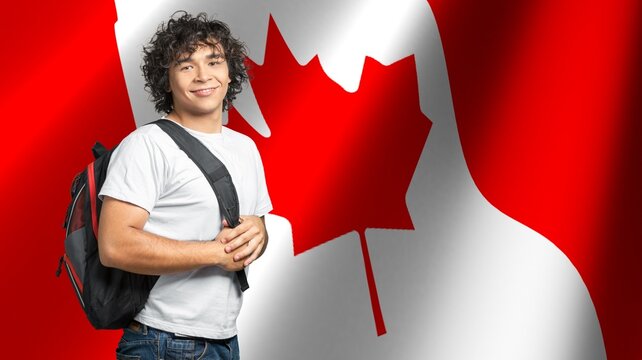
202, 75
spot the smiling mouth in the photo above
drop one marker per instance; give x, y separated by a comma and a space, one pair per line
204, 92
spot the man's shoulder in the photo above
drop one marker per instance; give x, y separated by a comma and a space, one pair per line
149, 130
147, 133
146, 139
238, 137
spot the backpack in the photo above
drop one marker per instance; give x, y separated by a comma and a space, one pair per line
111, 297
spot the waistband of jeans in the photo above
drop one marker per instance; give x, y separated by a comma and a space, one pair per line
140, 327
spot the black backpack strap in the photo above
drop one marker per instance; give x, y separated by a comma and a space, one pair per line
98, 150
216, 174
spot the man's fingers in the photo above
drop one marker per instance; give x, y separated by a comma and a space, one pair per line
246, 251
252, 257
250, 252
238, 242
241, 239
230, 235
242, 228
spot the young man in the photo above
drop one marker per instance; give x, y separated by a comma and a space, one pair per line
160, 215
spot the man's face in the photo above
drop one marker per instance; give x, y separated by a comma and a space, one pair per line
199, 81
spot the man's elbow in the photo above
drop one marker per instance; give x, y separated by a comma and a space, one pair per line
107, 253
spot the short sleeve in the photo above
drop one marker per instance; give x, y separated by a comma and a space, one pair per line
263, 201
136, 172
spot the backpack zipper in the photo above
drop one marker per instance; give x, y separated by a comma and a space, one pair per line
73, 206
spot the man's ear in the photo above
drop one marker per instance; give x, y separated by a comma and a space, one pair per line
168, 89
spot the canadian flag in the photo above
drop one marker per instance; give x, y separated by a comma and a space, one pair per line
451, 179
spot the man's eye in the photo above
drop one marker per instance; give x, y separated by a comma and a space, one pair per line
187, 67
216, 62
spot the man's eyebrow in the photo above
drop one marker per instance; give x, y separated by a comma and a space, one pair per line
214, 55
183, 59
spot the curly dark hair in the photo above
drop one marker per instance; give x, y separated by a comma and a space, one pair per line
184, 33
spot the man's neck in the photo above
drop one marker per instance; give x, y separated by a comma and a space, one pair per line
210, 123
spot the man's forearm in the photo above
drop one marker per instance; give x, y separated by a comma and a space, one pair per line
142, 252
123, 244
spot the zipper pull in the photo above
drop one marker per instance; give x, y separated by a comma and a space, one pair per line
62, 258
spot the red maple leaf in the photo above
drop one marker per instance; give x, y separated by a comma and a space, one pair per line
336, 161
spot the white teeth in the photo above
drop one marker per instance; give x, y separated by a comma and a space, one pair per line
204, 91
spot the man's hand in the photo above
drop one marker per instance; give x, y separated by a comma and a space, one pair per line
226, 261
246, 241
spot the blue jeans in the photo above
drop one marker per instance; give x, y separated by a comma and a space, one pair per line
141, 342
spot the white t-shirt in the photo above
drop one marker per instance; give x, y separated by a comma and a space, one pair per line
149, 170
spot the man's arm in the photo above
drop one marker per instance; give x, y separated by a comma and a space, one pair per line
123, 244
